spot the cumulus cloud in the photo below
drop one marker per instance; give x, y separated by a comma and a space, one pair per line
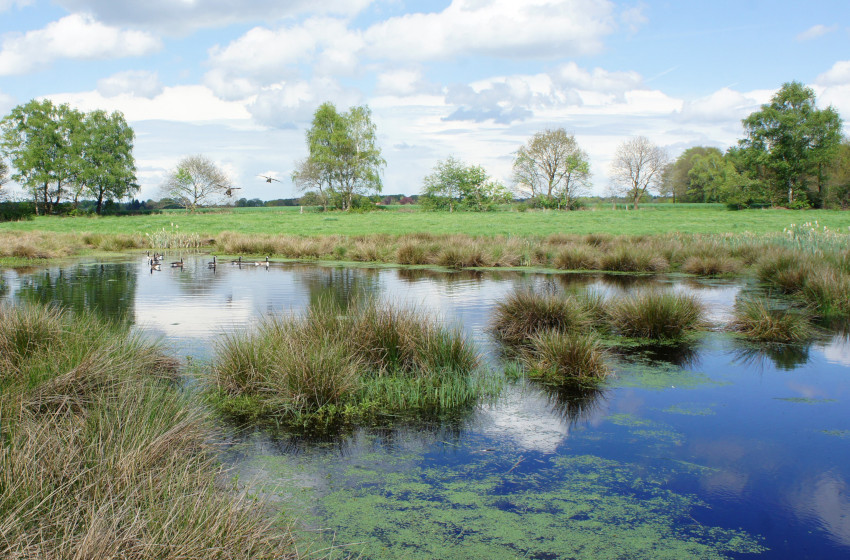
262, 57
288, 104
723, 105
76, 37
505, 28
402, 82
176, 16
816, 31
839, 74
8, 4
139, 83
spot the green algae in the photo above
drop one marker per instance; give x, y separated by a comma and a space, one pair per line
575, 507
843, 434
660, 376
690, 409
805, 400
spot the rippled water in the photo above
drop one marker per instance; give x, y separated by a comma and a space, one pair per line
709, 451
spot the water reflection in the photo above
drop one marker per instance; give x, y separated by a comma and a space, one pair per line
107, 290
341, 287
786, 357
576, 402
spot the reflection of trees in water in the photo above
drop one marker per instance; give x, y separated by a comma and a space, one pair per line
627, 282
4, 286
107, 290
574, 402
340, 287
446, 277
786, 357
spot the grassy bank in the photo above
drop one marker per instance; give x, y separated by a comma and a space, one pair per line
324, 366
649, 220
102, 457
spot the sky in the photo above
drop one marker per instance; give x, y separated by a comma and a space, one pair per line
239, 81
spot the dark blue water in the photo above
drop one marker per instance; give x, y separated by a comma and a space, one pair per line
715, 450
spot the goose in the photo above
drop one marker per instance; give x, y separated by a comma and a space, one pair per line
177, 264
269, 179
211, 264
260, 263
237, 261
155, 266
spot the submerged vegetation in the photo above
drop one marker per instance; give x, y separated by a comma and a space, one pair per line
328, 365
102, 457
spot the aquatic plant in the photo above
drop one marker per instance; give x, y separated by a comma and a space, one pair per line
655, 314
558, 356
757, 319
710, 265
101, 455
524, 313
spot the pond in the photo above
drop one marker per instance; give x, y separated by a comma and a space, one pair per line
713, 450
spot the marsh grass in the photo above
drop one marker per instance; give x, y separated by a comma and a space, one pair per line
375, 359
102, 457
559, 357
524, 313
655, 314
757, 319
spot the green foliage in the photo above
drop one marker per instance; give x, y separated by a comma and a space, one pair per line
196, 181
676, 181
453, 185
552, 169
790, 143
344, 158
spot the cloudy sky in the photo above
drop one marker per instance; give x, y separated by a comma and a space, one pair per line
239, 81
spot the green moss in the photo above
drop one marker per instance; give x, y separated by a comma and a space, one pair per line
689, 409
805, 400
843, 434
661, 376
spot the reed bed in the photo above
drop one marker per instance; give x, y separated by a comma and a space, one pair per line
327, 365
102, 457
757, 319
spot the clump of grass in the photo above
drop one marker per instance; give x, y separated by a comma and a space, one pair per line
633, 258
377, 358
755, 318
102, 457
828, 290
654, 314
576, 258
524, 313
411, 253
557, 356
783, 269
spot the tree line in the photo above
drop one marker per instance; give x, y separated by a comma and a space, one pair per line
792, 155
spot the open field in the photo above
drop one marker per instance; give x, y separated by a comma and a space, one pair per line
648, 220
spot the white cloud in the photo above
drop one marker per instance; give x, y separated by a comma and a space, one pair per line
506, 28
139, 83
182, 16
8, 4
76, 37
289, 104
816, 31
839, 74
401, 82
180, 104
723, 105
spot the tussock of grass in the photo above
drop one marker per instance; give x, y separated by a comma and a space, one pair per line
377, 358
756, 319
102, 457
654, 314
577, 258
558, 356
710, 265
525, 313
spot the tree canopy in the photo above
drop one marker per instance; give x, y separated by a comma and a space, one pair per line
790, 142
552, 168
454, 185
196, 181
637, 167
59, 153
344, 158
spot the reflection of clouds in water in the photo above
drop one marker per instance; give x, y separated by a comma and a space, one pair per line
717, 301
837, 351
189, 320
824, 500
524, 416
724, 484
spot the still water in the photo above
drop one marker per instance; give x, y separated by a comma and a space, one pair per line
714, 450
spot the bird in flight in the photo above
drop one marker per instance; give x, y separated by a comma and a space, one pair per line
269, 179
229, 191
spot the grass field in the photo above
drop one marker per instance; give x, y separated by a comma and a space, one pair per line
648, 220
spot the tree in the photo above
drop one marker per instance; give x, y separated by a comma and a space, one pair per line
310, 178
104, 163
551, 166
789, 143
37, 139
675, 180
343, 155
637, 167
4, 176
454, 185
196, 181
838, 185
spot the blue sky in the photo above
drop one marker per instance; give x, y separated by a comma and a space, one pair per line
239, 81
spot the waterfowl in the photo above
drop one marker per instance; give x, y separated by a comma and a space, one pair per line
269, 179
237, 261
177, 264
260, 263
211, 264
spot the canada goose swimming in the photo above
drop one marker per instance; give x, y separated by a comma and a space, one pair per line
178, 264
211, 264
261, 263
238, 261
155, 266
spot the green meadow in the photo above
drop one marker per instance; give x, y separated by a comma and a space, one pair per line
650, 219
